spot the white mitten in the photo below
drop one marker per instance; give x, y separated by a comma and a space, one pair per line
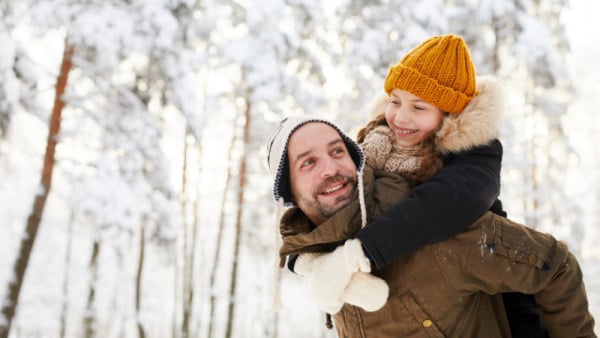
366, 291
304, 266
329, 274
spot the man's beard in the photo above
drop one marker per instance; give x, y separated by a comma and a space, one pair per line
328, 210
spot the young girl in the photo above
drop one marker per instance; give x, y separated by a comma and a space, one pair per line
436, 119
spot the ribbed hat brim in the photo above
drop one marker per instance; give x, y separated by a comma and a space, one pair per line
277, 154
427, 88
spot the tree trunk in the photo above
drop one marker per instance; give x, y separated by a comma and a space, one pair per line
213, 273
195, 243
65, 287
33, 221
188, 296
90, 313
496, 48
238, 225
532, 179
174, 320
188, 263
138, 283
192, 264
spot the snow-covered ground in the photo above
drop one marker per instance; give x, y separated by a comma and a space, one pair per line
21, 160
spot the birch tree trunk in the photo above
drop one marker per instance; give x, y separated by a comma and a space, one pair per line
238, 225
215, 268
90, 313
65, 286
200, 265
33, 221
138, 283
188, 247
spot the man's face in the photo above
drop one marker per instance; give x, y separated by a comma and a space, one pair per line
322, 173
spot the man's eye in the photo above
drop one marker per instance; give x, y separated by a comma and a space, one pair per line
307, 163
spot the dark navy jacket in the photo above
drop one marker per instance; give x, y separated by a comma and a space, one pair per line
467, 186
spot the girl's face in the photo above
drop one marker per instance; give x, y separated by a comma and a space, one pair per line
411, 118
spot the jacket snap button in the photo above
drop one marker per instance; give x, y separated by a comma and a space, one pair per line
427, 323
532, 259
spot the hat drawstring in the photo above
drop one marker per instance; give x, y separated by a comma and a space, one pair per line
328, 323
361, 200
277, 305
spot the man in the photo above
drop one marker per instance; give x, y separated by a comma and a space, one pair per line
442, 290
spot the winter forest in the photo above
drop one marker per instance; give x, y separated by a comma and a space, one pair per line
135, 199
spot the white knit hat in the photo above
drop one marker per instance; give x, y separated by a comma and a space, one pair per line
277, 154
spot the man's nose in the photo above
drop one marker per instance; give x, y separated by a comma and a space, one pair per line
329, 167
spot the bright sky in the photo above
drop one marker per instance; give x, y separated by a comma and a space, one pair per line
584, 31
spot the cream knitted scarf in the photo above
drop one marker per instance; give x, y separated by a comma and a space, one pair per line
383, 153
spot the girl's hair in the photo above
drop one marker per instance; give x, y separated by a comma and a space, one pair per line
379, 120
431, 162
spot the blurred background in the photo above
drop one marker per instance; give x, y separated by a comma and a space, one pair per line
135, 199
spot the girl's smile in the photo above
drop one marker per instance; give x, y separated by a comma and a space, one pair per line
411, 118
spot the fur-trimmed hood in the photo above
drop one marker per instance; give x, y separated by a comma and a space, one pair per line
478, 124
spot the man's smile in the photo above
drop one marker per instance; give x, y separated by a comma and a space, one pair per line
334, 188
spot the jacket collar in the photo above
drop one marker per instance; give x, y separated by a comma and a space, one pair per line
479, 122
301, 235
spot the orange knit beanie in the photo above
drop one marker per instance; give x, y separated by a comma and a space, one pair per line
439, 70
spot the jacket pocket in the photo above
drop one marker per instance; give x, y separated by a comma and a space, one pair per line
427, 324
518, 243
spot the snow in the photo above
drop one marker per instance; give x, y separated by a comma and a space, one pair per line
582, 124
119, 159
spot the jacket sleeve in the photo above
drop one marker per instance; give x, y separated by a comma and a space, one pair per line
497, 255
465, 188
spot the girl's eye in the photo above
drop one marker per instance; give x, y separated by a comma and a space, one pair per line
419, 108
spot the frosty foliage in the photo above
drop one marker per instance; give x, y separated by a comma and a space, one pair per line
373, 35
108, 31
134, 168
9, 90
536, 46
19, 78
282, 34
107, 199
150, 41
151, 76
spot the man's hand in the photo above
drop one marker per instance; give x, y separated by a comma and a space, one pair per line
330, 274
366, 291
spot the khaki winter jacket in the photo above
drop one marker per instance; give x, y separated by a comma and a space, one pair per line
443, 290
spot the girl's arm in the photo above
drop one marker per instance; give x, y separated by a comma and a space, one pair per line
440, 208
